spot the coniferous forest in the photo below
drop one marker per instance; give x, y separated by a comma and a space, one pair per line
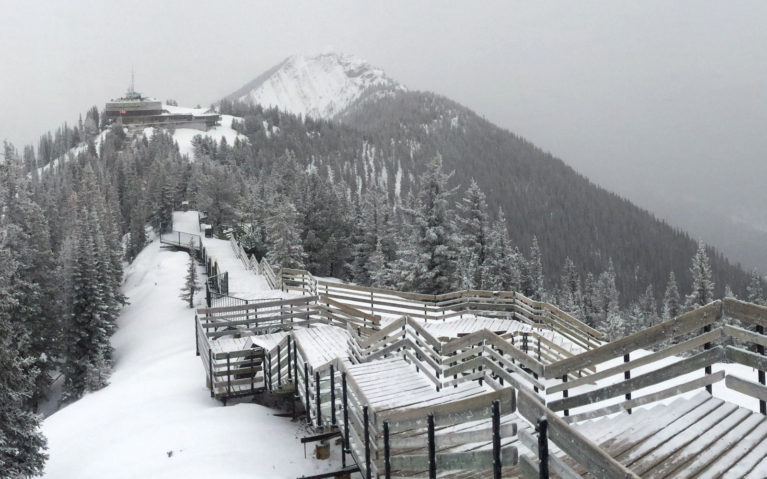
408, 191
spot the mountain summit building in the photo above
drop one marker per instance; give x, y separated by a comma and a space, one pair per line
134, 109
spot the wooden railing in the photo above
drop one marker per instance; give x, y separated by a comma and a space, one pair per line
698, 340
498, 304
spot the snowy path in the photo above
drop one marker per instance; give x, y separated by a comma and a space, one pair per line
243, 283
156, 418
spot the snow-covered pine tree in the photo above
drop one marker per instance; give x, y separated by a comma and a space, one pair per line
190, 284
284, 235
590, 306
435, 270
754, 290
473, 233
570, 289
702, 282
611, 321
532, 280
672, 306
648, 308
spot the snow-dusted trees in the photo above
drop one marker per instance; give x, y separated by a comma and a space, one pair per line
570, 289
532, 277
754, 290
671, 302
502, 267
473, 233
284, 235
609, 314
190, 282
702, 282
435, 270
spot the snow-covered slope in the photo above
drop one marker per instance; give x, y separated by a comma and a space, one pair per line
320, 86
156, 418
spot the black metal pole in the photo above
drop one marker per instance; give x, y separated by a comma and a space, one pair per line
210, 371
497, 440
196, 337
565, 393
387, 451
252, 373
346, 417
627, 376
319, 403
332, 396
269, 365
707, 369
306, 395
289, 375
279, 367
760, 350
295, 363
543, 448
228, 376
365, 419
432, 449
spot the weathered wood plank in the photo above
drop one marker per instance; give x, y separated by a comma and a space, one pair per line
571, 442
746, 387
748, 312
747, 358
665, 373
556, 465
682, 324
745, 335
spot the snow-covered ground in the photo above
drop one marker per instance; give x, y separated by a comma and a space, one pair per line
156, 418
184, 136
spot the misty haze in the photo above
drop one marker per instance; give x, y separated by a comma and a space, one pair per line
502, 239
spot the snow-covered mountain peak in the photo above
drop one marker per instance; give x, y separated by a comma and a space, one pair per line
320, 86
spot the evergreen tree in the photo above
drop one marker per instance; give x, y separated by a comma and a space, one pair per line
570, 289
754, 290
702, 282
190, 286
671, 303
284, 236
473, 231
435, 270
609, 307
502, 269
532, 280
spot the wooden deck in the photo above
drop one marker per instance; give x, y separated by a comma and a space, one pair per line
702, 437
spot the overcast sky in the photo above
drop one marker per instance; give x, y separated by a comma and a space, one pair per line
663, 101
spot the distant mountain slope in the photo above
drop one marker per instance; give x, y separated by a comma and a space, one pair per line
387, 137
539, 193
319, 86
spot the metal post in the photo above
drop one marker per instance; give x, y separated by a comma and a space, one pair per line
319, 403
565, 393
289, 375
497, 439
543, 448
332, 396
228, 376
760, 350
346, 417
387, 451
210, 371
365, 419
627, 376
279, 367
295, 364
269, 366
707, 369
252, 373
306, 395
432, 449
196, 337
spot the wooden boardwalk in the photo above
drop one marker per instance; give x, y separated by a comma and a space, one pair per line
470, 384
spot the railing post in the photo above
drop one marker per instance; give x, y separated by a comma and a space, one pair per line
366, 421
228, 375
432, 449
279, 367
543, 448
295, 364
707, 369
627, 376
269, 365
346, 416
210, 371
497, 465
196, 337
290, 377
319, 400
760, 350
306, 395
252, 374
332, 396
565, 393
387, 451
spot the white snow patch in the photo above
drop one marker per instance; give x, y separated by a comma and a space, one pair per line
320, 86
156, 418
184, 136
